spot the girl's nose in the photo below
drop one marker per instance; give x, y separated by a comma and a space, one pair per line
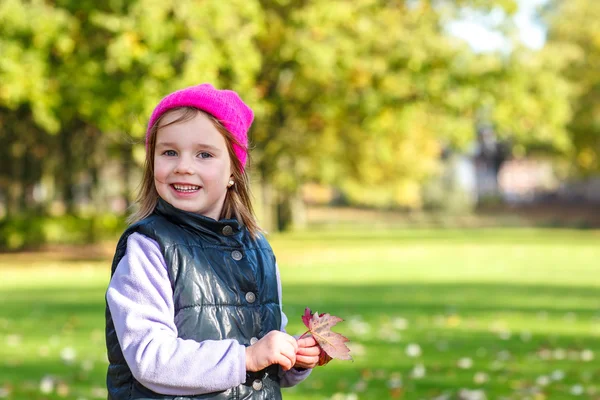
184, 166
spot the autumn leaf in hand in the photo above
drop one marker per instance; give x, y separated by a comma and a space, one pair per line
332, 344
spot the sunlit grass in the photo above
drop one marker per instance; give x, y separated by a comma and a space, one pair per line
431, 314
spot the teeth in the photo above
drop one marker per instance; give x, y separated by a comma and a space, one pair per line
186, 188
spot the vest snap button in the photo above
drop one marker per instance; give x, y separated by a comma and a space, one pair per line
227, 230
250, 297
236, 255
257, 384
253, 340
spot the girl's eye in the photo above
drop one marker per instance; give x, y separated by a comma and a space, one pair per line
204, 155
170, 153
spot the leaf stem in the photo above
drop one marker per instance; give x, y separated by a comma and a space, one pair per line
308, 331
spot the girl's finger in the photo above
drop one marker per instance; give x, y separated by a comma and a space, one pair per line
309, 351
307, 341
289, 353
307, 360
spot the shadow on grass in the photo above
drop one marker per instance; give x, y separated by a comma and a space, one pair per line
428, 299
413, 298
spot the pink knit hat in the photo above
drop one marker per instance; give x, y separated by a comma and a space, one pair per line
224, 105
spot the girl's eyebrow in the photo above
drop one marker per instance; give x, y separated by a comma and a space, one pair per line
201, 145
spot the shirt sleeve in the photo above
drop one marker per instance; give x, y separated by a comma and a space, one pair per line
140, 299
293, 376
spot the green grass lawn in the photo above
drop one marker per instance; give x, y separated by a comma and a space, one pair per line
444, 314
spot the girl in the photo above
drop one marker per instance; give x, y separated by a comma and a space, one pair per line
194, 301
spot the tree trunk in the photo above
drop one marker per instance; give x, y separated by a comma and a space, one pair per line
66, 170
291, 211
267, 218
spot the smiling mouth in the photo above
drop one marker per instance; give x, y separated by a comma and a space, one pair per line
186, 188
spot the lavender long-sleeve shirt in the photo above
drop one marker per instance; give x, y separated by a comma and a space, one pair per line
140, 299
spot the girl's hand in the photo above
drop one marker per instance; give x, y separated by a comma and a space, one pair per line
307, 355
274, 348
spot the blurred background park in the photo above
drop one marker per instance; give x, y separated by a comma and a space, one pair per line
427, 170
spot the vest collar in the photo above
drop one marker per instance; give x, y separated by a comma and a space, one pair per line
197, 222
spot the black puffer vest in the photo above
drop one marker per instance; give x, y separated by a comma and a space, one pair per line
224, 287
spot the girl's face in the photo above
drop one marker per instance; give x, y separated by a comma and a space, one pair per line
191, 165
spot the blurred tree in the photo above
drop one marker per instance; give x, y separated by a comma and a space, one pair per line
574, 37
361, 95
33, 38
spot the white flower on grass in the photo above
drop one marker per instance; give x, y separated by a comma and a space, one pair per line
4, 392
62, 389
497, 365
465, 363
357, 349
400, 323
545, 354
587, 355
413, 350
47, 384
542, 380
343, 396
557, 375
418, 372
379, 374
573, 355
439, 320
54, 340
68, 355
576, 390
526, 336
480, 378
43, 351
394, 337
358, 326
503, 355
87, 365
395, 381
389, 335
504, 334
99, 393
559, 354
360, 386
13, 340
466, 394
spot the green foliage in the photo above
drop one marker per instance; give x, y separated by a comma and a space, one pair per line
27, 232
32, 38
574, 39
361, 95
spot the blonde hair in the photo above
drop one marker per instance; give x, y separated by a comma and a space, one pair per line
237, 203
